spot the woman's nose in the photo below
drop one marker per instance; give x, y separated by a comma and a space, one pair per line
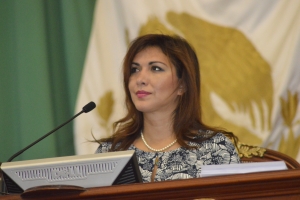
142, 78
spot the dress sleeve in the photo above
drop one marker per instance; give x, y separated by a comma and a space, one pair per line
235, 158
223, 151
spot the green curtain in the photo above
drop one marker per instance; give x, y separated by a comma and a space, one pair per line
43, 45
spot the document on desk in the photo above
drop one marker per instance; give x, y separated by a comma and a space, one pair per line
241, 168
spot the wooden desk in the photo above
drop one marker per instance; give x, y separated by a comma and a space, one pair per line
265, 185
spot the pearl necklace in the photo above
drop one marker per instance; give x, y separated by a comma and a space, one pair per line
157, 150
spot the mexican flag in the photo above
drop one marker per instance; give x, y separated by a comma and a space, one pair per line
249, 64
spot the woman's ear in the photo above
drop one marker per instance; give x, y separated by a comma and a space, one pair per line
181, 90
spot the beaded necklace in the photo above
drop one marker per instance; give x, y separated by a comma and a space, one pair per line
157, 150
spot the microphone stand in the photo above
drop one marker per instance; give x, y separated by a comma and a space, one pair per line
41, 138
87, 108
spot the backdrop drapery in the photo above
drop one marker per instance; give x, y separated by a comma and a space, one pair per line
249, 63
42, 50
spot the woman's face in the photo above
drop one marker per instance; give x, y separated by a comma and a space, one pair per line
153, 83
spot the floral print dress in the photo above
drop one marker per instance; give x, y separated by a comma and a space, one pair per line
183, 163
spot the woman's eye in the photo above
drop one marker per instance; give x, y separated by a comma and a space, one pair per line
155, 68
133, 70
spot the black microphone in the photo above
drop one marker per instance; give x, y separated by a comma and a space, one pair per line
87, 108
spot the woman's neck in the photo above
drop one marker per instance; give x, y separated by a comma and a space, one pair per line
158, 127
157, 132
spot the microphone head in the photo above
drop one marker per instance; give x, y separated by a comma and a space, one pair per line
88, 107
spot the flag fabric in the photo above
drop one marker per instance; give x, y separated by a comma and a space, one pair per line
249, 64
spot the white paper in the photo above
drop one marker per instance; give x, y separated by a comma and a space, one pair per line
242, 168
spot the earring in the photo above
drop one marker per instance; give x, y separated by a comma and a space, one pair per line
180, 90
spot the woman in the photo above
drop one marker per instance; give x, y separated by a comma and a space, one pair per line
163, 124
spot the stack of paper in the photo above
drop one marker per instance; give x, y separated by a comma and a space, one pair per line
242, 168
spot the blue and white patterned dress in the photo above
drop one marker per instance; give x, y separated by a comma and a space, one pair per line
183, 163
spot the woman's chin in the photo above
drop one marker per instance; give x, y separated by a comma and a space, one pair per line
144, 109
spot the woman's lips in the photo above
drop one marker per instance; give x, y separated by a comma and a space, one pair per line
141, 94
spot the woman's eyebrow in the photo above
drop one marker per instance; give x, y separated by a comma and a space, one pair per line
150, 63
153, 62
134, 63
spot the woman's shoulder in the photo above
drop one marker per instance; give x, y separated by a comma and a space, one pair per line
210, 137
219, 147
218, 137
104, 147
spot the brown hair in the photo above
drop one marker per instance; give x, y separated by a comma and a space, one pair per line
187, 115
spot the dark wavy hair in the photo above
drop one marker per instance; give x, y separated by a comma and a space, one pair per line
187, 124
